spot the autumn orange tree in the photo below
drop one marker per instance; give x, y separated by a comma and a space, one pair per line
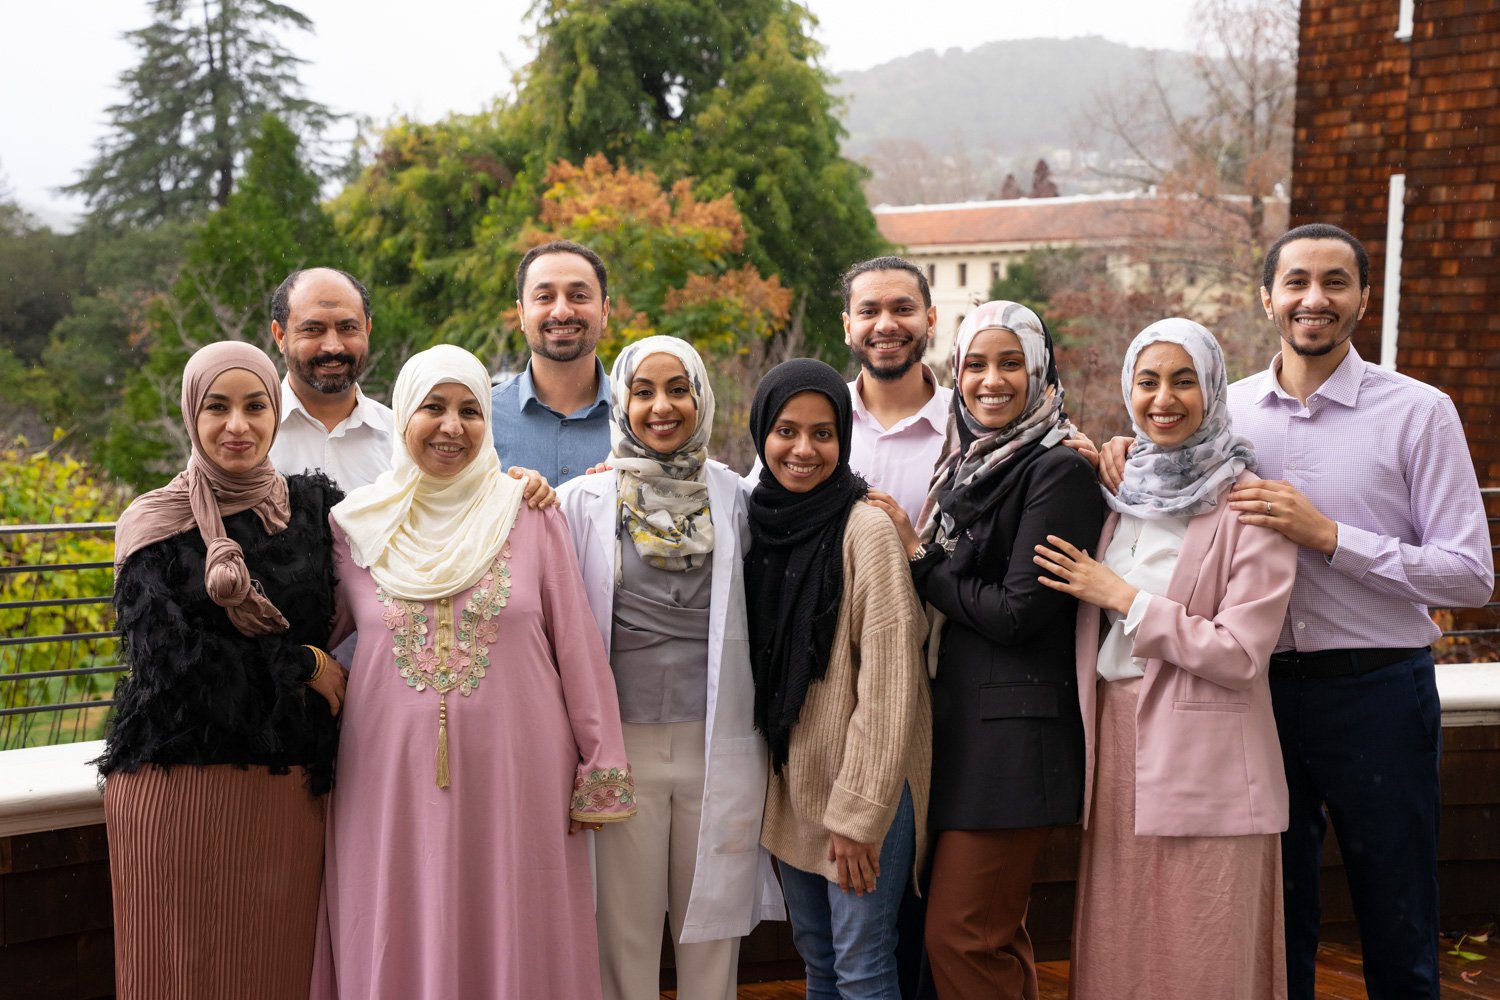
675, 268
671, 259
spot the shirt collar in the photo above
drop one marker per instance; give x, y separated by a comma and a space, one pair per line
1341, 387
364, 412
526, 388
934, 411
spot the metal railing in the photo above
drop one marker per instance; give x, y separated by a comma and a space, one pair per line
60, 653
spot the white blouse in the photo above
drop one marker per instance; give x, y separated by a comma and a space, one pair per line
1143, 553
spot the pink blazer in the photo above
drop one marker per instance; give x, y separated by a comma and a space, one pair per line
1207, 763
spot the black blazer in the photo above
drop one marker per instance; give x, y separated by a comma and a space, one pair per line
1007, 737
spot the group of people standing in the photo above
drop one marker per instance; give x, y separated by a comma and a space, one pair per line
915, 640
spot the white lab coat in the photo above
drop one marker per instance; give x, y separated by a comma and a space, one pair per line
734, 887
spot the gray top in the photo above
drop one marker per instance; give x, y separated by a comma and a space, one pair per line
659, 648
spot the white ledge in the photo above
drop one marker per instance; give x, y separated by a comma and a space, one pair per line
49, 788
53, 788
1470, 693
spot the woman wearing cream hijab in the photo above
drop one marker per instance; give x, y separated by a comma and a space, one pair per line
482, 728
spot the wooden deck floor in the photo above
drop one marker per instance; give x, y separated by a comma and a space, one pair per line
1339, 978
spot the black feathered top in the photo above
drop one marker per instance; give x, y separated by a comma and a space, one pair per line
200, 691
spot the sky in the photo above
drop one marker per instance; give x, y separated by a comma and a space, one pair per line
60, 61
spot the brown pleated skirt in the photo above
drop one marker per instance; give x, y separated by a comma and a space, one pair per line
1160, 918
216, 873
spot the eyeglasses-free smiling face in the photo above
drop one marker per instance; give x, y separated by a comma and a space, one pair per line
802, 449
236, 423
992, 378
447, 430
326, 341
1315, 300
887, 325
1166, 397
661, 409
561, 309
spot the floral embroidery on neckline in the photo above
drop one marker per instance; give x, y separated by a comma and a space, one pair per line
446, 654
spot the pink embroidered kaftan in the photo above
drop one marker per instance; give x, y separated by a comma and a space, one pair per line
475, 890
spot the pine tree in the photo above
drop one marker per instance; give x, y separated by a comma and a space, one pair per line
272, 224
1042, 184
208, 72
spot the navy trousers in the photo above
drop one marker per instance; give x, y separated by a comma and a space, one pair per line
1366, 748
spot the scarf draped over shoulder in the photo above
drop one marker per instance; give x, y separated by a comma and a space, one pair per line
663, 497
423, 537
1185, 480
203, 494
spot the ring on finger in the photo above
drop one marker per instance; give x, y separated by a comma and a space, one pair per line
1269, 509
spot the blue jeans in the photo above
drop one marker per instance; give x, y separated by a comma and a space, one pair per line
1367, 749
848, 942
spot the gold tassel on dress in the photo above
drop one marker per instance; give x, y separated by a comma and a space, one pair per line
442, 751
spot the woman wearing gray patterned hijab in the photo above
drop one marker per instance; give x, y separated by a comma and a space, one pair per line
1181, 606
1187, 478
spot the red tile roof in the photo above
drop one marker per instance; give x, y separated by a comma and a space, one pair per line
1075, 219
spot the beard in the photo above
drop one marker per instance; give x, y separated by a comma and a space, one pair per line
1316, 349
892, 371
307, 371
584, 344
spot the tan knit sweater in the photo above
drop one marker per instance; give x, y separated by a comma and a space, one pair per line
866, 727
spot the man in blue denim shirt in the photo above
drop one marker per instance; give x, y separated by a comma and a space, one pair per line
554, 415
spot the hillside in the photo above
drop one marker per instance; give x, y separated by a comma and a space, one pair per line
997, 107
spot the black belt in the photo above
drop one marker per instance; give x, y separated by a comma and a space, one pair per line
1339, 662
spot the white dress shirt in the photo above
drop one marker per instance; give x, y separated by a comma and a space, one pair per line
353, 454
1143, 553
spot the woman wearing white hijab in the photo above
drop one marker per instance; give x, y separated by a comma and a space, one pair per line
481, 729
660, 538
1179, 884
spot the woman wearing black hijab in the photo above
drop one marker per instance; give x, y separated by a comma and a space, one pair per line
835, 645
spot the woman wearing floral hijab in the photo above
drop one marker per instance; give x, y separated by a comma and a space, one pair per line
659, 539
1179, 884
1007, 739
481, 728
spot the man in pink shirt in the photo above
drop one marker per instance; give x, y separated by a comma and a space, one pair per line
1368, 472
900, 410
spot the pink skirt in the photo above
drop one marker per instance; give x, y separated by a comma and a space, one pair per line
215, 873
1158, 918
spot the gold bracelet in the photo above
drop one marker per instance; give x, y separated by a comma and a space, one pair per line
320, 660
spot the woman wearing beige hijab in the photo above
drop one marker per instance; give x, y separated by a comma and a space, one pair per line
223, 738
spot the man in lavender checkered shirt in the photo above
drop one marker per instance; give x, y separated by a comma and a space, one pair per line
1368, 472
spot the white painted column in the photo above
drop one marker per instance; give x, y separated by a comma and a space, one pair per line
1390, 317
1405, 18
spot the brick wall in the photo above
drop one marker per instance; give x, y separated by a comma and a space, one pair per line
1370, 105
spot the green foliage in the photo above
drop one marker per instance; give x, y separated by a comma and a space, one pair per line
42, 487
272, 225
730, 94
42, 270
209, 70
411, 220
92, 352
671, 259
1021, 283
